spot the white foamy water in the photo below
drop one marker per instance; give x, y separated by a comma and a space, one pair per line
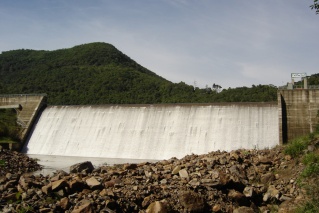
152, 131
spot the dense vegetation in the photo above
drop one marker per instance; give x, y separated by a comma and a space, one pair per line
98, 73
9, 129
305, 150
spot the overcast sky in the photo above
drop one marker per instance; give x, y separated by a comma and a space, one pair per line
232, 43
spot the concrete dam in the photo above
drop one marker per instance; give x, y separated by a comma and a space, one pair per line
162, 131
156, 132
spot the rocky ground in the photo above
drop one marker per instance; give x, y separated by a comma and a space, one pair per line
16, 163
239, 181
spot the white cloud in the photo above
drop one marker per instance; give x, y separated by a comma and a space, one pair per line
232, 43
265, 74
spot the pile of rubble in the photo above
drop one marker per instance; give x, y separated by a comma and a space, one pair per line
239, 181
16, 163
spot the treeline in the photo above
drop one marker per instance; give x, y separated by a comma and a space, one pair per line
98, 73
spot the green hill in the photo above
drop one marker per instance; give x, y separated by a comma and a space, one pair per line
98, 73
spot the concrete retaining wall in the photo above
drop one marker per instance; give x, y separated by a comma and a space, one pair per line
297, 113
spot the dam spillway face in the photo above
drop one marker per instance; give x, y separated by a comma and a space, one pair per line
153, 131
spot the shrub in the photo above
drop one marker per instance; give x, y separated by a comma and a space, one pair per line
309, 207
311, 161
312, 136
309, 177
310, 158
2, 163
311, 170
296, 147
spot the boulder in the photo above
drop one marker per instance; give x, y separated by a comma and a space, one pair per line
238, 197
77, 185
93, 183
157, 207
57, 185
268, 177
243, 209
248, 191
84, 206
183, 173
176, 170
129, 166
47, 188
265, 159
272, 193
65, 203
192, 201
86, 167
216, 208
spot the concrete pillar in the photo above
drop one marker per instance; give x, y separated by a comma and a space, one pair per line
305, 82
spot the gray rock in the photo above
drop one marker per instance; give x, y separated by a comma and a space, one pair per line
176, 169
183, 173
93, 183
129, 166
82, 167
272, 193
243, 209
266, 178
84, 206
191, 201
57, 185
285, 198
65, 203
248, 191
157, 207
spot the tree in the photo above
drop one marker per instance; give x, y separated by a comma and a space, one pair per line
315, 6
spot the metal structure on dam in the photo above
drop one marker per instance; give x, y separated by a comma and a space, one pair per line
163, 131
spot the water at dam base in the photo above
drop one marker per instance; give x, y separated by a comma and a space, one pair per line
52, 163
153, 132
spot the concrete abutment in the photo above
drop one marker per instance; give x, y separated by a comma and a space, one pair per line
31, 105
298, 111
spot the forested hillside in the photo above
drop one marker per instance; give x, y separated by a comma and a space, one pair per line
98, 73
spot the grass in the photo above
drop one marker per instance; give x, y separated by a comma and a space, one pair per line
7, 140
297, 146
308, 178
23, 208
311, 162
308, 207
